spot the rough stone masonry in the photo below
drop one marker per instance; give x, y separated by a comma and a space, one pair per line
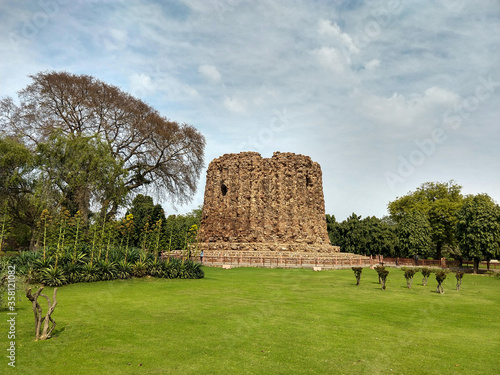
264, 204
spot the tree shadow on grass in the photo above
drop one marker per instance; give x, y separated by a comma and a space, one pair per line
57, 332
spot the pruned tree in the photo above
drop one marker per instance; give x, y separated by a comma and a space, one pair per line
357, 273
154, 151
440, 277
42, 333
383, 277
409, 273
426, 272
379, 270
459, 276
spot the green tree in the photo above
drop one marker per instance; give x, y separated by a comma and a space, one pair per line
440, 203
23, 194
145, 214
369, 236
352, 235
414, 234
334, 230
478, 228
83, 171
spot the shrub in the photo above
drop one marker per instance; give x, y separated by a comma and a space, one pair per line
426, 272
140, 268
52, 276
459, 276
409, 273
379, 269
123, 269
440, 277
357, 273
383, 277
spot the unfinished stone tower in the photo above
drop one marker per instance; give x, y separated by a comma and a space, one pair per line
264, 204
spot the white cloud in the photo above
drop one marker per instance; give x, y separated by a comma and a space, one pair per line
326, 28
419, 111
331, 58
234, 105
210, 72
372, 64
141, 85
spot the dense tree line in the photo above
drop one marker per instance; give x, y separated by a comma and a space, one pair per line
433, 221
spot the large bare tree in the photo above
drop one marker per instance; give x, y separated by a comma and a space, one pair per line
153, 150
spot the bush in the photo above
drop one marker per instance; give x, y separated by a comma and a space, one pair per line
357, 273
409, 273
426, 272
383, 277
379, 269
459, 276
440, 277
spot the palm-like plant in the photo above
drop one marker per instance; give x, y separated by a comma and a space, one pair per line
52, 276
107, 270
90, 273
140, 268
123, 269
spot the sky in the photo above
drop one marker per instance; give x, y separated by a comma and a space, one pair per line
384, 95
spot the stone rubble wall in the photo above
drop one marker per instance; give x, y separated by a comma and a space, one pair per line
264, 204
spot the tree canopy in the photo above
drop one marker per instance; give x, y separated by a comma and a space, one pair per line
86, 112
439, 202
478, 228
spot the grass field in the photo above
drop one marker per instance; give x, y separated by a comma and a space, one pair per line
265, 321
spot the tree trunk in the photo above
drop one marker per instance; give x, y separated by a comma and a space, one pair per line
439, 248
476, 265
42, 334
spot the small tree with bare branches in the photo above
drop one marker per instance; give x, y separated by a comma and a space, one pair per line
43, 333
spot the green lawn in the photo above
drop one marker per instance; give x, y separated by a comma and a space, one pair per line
265, 321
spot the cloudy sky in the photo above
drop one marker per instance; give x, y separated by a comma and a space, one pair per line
385, 95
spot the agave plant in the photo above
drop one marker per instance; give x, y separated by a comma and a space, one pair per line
25, 258
140, 268
52, 276
73, 272
43, 263
155, 268
90, 273
107, 270
123, 269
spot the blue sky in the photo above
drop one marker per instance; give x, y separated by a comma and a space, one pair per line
385, 95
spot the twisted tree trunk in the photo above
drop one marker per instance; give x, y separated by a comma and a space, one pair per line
42, 333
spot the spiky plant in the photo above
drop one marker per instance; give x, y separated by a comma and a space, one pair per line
123, 269
52, 276
107, 270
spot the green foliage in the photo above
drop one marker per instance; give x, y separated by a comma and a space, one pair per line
369, 236
379, 270
440, 277
459, 276
478, 228
409, 273
357, 273
383, 277
439, 203
83, 169
413, 233
426, 272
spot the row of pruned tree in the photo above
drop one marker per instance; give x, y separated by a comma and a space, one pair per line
433, 221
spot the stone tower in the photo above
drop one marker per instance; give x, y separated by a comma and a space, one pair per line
264, 204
